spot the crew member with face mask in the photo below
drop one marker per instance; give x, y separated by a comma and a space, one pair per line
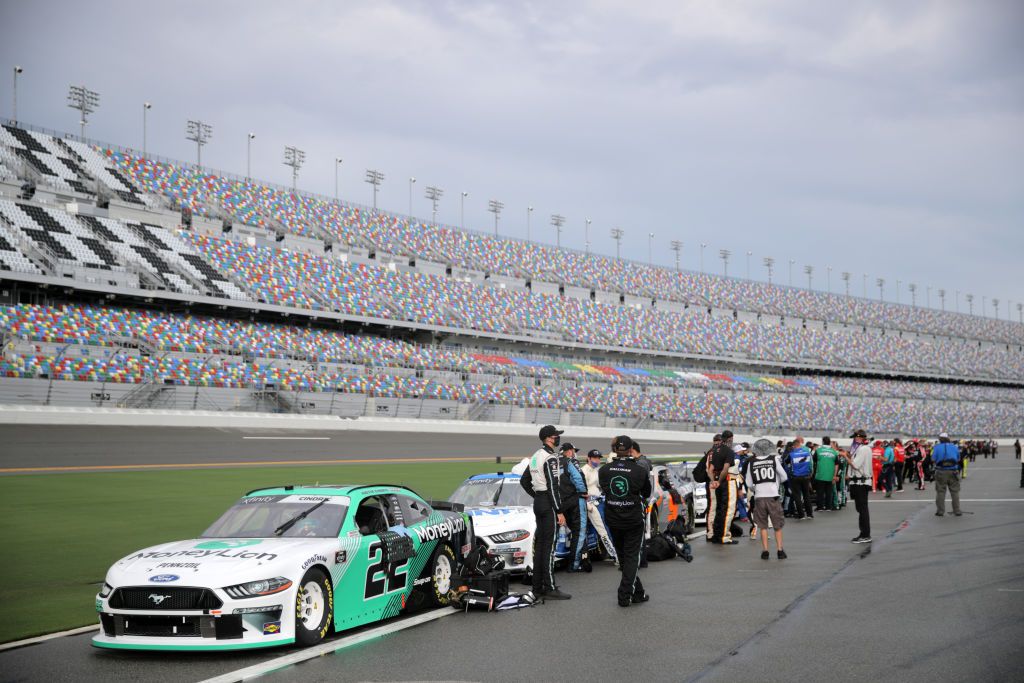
545, 473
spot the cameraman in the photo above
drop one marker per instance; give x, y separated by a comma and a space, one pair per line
946, 457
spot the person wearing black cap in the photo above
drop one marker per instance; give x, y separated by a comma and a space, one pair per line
573, 492
626, 487
595, 500
545, 473
860, 475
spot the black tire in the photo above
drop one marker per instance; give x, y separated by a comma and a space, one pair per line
690, 521
314, 608
443, 576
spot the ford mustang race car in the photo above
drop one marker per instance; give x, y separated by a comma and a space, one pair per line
694, 495
287, 564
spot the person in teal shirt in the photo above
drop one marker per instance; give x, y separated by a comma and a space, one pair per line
888, 478
825, 475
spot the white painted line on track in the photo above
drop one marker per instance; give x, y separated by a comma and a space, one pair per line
49, 636
327, 648
962, 500
288, 438
1011, 590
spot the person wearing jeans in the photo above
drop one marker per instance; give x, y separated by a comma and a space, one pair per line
859, 476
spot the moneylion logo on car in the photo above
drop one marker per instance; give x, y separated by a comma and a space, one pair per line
157, 598
445, 529
164, 578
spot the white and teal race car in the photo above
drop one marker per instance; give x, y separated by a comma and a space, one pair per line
287, 564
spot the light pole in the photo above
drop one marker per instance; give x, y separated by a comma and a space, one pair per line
462, 210
809, 269
864, 285
412, 181
375, 178
956, 301
85, 101
845, 275
724, 254
970, 303
14, 118
881, 288
146, 106
529, 214
558, 221
586, 236
617, 234
942, 299
676, 246
791, 264
749, 254
650, 248
928, 296
769, 263
337, 163
248, 161
913, 294
828, 279
1020, 312
702, 247
995, 307
199, 133
898, 285
495, 207
434, 194
294, 157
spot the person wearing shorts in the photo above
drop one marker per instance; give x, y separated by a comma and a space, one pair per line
764, 474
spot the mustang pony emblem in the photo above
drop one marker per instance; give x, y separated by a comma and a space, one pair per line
157, 598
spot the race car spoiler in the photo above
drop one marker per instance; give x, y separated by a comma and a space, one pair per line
447, 505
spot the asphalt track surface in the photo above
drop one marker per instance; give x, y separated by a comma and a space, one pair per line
74, 448
931, 599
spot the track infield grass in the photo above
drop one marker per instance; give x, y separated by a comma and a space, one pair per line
62, 531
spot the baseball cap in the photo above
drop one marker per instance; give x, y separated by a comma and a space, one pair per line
549, 430
944, 435
566, 446
739, 448
717, 437
594, 453
859, 433
622, 443
727, 435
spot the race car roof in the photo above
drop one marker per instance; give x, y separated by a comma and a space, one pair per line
321, 489
496, 475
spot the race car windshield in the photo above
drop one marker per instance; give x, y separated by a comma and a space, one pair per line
261, 518
490, 492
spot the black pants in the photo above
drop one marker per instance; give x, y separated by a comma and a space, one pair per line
801, 488
859, 493
899, 475
628, 542
823, 492
544, 545
1022, 475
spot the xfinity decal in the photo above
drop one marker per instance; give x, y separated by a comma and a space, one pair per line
313, 560
477, 512
201, 554
260, 499
444, 529
164, 578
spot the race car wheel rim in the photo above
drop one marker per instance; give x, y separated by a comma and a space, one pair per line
312, 606
443, 574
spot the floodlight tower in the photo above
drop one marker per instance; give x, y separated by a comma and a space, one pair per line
495, 207
809, 269
942, 298
14, 118
845, 275
617, 234
970, 303
199, 133
434, 194
248, 159
412, 181
558, 221
676, 246
769, 263
85, 101
294, 157
650, 248
375, 178
337, 163
913, 294
1020, 312
146, 106
724, 254
899, 283
749, 254
881, 288
586, 235
995, 307
529, 214
702, 247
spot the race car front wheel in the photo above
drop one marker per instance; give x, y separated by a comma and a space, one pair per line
314, 608
442, 575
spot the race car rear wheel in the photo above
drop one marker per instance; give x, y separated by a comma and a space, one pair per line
690, 515
314, 608
442, 575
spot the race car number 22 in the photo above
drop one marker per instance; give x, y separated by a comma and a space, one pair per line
383, 577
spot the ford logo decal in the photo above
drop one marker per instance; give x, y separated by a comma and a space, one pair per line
164, 578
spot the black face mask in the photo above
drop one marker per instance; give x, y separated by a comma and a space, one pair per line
558, 439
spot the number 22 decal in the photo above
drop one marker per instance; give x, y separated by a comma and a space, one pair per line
383, 577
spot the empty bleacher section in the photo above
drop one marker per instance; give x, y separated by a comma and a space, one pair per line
251, 242
289, 368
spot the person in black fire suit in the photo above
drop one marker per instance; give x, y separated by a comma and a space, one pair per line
626, 485
541, 481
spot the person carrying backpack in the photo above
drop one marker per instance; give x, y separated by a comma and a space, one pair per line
946, 457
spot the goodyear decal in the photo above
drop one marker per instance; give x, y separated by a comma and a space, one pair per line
313, 560
444, 529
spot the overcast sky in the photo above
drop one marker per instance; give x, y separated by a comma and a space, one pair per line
881, 138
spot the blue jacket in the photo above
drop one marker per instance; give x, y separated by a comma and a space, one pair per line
801, 459
946, 456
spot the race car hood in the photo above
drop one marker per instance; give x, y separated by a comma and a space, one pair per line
494, 520
221, 562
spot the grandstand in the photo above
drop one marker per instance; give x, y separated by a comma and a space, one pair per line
139, 282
